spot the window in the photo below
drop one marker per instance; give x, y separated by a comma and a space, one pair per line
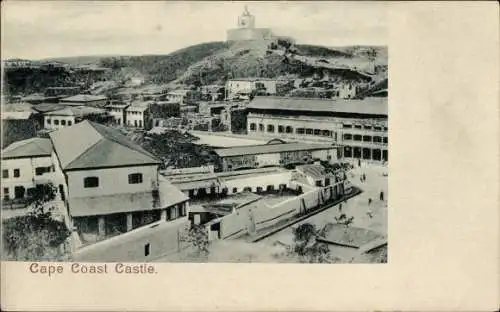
48, 121
6, 193
301, 131
377, 139
357, 126
235, 190
5, 174
40, 170
316, 131
309, 131
261, 127
147, 249
327, 181
367, 138
69, 122
367, 127
377, 128
319, 183
357, 137
253, 127
326, 133
270, 128
19, 192
347, 136
140, 123
385, 140
281, 129
289, 129
91, 182
17, 173
135, 178
63, 122
56, 122
347, 126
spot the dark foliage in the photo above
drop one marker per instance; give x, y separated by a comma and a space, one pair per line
14, 130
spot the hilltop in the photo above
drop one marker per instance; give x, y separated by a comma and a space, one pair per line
213, 62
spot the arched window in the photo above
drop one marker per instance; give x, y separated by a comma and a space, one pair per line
261, 127
135, 178
281, 129
270, 128
89, 182
289, 129
63, 122
253, 126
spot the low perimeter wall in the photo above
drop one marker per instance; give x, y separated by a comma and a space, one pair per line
140, 245
258, 215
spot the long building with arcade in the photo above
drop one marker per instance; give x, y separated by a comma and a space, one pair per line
360, 126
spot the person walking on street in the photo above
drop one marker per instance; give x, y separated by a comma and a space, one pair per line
364, 177
369, 201
340, 207
381, 195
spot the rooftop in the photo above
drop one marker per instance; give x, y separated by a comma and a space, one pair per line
97, 146
313, 170
270, 148
34, 147
84, 98
77, 111
138, 106
367, 106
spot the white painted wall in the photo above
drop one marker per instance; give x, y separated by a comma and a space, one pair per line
27, 176
135, 118
68, 120
111, 181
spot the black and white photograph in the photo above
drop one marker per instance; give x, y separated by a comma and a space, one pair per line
195, 132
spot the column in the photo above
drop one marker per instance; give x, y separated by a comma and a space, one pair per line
164, 215
101, 223
129, 222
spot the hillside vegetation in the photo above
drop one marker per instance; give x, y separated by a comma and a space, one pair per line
206, 63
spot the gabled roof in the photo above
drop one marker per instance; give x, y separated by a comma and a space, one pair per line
367, 106
92, 145
34, 147
77, 111
84, 98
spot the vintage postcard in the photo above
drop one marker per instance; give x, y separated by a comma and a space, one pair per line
139, 134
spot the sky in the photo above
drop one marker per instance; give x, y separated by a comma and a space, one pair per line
43, 29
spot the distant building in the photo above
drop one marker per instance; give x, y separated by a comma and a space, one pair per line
17, 111
182, 96
274, 153
71, 115
246, 30
118, 111
113, 185
62, 91
360, 125
24, 164
266, 86
137, 115
85, 99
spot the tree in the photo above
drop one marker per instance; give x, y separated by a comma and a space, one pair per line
196, 237
37, 235
307, 248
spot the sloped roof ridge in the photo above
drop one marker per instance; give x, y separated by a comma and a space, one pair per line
83, 153
109, 134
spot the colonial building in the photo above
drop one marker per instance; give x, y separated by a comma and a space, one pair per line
71, 115
113, 185
360, 126
24, 164
274, 153
117, 110
137, 115
265, 86
182, 96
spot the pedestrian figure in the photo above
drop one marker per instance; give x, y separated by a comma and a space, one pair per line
369, 201
340, 207
381, 195
364, 177
359, 162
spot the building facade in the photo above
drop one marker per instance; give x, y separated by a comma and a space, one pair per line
25, 164
275, 153
360, 126
137, 115
113, 185
118, 112
71, 115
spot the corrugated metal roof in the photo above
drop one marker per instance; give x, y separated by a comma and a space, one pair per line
270, 148
28, 148
368, 106
91, 145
